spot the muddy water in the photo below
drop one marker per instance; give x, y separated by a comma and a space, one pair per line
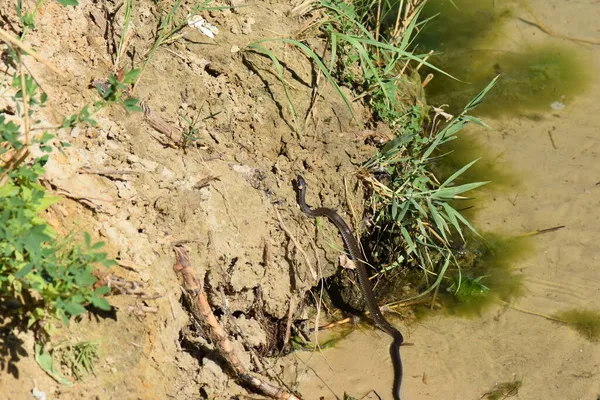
555, 156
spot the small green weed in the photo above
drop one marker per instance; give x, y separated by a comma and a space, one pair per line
27, 19
116, 89
71, 359
126, 33
191, 134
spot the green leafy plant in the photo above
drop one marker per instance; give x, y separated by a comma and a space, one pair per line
116, 91
42, 275
48, 277
413, 213
192, 133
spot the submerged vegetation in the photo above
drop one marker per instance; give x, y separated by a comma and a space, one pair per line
504, 390
534, 76
486, 273
586, 322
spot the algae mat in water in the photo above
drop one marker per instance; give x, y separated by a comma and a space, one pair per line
469, 39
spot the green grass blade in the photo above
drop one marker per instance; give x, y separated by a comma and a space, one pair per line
333, 57
436, 283
311, 54
394, 49
408, 32
404, 209
366, 63
462, 219
439, 221
450, 215
418, 207
480, 96
458, 173
279, 68
452, 192
341, 13
422, 229
411, 245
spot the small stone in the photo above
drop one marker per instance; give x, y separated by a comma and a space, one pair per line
125, 190
204, 193
148, 165
252, 331
167, 174
247, 25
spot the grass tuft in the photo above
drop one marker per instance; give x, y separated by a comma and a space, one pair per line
414, 215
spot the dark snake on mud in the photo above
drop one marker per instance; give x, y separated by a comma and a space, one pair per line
363, 279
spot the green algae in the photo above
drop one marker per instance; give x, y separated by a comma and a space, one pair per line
466, 148
485, 274
586, 322
532, 78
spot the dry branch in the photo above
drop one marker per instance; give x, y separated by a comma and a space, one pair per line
201, 310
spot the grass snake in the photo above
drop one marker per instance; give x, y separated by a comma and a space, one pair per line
363, 279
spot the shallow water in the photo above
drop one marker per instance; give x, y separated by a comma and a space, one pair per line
475, 48
554, 156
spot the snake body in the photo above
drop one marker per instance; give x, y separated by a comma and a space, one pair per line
363, 279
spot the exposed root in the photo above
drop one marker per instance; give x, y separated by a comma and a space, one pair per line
201, 310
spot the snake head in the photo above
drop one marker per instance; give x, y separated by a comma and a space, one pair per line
300, 182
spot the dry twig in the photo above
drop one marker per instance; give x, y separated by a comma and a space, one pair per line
538, 24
